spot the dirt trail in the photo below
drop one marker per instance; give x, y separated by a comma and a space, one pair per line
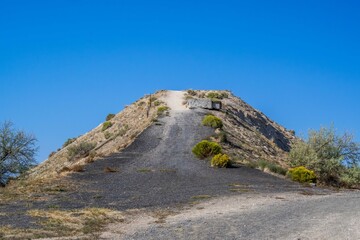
174, 100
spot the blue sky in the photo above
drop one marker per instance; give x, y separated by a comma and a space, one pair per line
64, 65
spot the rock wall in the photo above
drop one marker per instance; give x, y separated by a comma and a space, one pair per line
203, 103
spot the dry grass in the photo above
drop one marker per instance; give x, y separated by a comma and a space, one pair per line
200, 197
55, 223
33, 190
110, 170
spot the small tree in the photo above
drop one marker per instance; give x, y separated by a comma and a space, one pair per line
17, 152
329, 155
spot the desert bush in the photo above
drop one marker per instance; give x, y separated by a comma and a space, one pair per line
157, 103
351, 178
220, 160
51, 154
80, 150
222, 137
162, 109
302, 174
212, 121
191, 92
110, 116
276, 169
252, 164
216, 95
262, 164
77, 168
107, 135
329, 155
206, 149
106, 125
272, 167
68, 142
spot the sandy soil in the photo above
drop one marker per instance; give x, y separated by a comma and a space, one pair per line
174, 100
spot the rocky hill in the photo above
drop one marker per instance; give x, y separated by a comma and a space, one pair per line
141, 158
250, 135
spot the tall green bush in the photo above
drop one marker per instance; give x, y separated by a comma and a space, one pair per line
206, 149
212, 121
329, 155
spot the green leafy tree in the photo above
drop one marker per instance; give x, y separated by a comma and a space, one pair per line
329, 155
17, 152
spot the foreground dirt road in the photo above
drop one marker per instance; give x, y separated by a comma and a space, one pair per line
273, 216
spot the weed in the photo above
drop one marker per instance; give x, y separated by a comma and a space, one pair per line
212, 121
110, 116
68, 142
80, 150
106, 125
200, 197
107, 135
110, 170
162, 109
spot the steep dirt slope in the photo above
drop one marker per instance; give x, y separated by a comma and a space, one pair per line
250, 134
126, 125
159, 169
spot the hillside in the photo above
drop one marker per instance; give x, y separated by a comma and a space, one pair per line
147, 163
250, 135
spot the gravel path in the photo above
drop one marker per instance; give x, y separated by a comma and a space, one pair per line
159, 169
273, 216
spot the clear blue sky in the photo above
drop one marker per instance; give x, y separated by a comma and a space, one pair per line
64, 65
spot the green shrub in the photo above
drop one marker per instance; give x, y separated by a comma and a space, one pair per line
106, 125
157, 103
351, 178
212, 121
206, 149
302, 174
216, 95
276, 169
110, 116
262, 164
80, 150
328, 154
107, 135
220, 160
162, 109
68, 142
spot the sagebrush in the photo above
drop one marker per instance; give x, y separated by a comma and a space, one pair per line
206, 149
80, 150
212, 121
220, 160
